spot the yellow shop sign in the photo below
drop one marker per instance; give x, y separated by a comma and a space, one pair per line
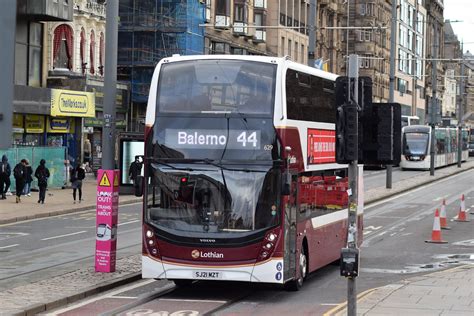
72, 103
34, 123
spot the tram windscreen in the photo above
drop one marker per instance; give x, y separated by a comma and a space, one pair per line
212, 200
209, 86
415, 143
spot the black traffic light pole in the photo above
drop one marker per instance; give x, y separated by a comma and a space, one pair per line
7, 56
353, 185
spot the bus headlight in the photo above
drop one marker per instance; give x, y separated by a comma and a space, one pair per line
269, 245
149, 233
154, 251
151, 242
271, 237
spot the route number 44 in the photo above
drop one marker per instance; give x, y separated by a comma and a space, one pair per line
252, 139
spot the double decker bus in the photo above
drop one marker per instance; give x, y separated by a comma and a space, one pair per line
416, 146
240, 179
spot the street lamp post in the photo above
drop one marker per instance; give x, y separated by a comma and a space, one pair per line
460, 110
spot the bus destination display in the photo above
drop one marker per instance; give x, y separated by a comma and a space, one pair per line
212, 139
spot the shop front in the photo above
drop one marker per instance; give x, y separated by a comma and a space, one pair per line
93, 125
68, 109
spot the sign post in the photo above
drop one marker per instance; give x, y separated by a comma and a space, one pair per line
106, 220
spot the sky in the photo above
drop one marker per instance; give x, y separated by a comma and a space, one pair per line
461, 10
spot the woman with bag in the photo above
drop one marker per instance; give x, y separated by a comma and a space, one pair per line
77, 175
42, 174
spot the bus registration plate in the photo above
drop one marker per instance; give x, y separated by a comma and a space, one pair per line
208, 275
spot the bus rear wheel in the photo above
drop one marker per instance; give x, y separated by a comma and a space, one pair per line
297, 284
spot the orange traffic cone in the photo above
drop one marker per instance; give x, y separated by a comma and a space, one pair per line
436, 233
442, 216
461, 216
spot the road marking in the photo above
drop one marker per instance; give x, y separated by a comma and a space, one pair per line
100, 297
192, 301
129, 222
4, 236
71, 234
373, 227
9, 246
329, 304
125, 297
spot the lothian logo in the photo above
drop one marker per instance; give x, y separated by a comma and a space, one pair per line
195, 254
210, 254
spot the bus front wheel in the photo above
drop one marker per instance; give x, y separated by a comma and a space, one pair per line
296, 284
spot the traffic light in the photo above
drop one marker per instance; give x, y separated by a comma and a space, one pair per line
346, 133
381, 134
377, 140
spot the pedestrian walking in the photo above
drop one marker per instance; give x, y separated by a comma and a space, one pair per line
135, 169
5, 172
42, 174
19, 172
29, 178
77, 175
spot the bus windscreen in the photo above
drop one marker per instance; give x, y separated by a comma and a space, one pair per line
213, 86
213, 200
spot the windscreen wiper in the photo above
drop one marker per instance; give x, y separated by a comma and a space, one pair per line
158, 161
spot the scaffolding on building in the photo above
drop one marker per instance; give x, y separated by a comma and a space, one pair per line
150, 30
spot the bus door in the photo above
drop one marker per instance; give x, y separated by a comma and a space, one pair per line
290, 226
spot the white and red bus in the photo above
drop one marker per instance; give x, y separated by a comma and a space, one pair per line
240, 181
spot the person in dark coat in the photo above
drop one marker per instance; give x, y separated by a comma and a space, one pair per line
42, 174
5, 172
77, 175
19, 172
29, 178
135, 169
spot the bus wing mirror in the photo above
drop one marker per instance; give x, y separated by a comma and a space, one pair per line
138, 184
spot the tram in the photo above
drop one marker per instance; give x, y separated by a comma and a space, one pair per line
240, 177
416, 145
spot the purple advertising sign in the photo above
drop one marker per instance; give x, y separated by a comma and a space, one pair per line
106, 220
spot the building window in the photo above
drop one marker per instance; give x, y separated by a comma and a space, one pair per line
35, 39
302, 53
365, 61
365, 36
402, 85
240, 12
101, 53
282, 46
82, 51
238, 51
92, 54
63, 47
223, 7
289, 47
208, 10
219, 48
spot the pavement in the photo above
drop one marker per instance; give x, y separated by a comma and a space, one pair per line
448, 292
57, 202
